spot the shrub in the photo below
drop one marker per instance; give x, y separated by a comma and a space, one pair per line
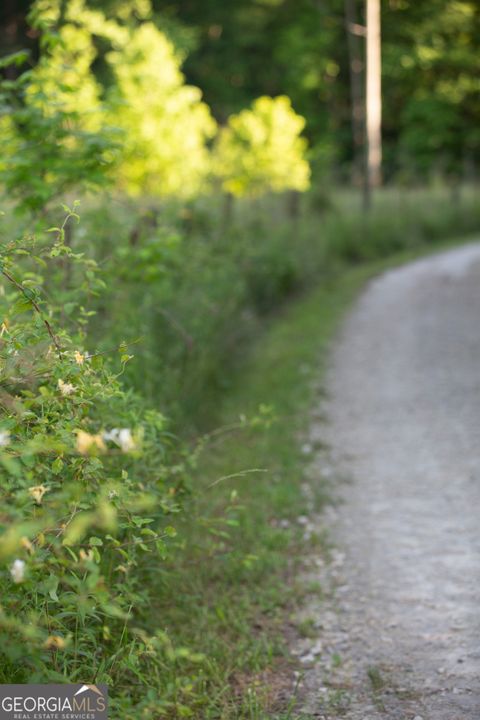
89, 479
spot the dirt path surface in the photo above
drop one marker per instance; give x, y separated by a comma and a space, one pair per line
400, 638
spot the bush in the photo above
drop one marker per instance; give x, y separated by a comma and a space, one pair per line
90, 480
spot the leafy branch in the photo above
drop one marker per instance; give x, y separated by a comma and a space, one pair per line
30, 296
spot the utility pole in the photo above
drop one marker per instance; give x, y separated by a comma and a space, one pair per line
374, 95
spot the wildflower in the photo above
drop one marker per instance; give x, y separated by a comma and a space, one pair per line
85, 442
112, 494
17, 571
25, 543
122, 437
84, 556
37, 492
79, 358
4, 438
54, 642
65, 388
111, 435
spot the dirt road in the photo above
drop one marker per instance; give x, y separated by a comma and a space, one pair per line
401, 637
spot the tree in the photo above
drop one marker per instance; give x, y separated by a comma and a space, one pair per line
51, 137
355, 34
432, 104
166, 125
261, 150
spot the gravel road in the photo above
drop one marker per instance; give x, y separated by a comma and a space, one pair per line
400, 638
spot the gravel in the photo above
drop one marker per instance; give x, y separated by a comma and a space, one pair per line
401, 633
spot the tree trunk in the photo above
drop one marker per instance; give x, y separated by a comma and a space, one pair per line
356, 67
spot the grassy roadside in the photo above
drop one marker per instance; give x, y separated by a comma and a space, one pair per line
230, 596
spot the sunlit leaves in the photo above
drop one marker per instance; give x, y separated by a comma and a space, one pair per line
261, 150
165, 123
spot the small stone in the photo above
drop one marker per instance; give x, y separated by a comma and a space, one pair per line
317, 649
308, 658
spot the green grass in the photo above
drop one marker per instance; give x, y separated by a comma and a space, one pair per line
230, 593
192, 297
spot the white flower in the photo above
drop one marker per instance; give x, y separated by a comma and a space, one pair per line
122, 437
111, 435
4, 438
126, 440
17, 571
65, 388
37, 492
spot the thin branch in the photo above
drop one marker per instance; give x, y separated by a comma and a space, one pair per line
35, 305
114, 349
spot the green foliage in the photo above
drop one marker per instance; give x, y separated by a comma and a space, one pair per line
165, 123
434, 57
54, 135
260, 150
300, 48
147, 131
46, 148
90, 481
94, 583
192, 298
237, 52
62, 79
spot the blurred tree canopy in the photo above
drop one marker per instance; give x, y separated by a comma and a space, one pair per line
238, 50
260, 150
166, 125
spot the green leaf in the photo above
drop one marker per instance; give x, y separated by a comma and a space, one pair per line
16, 58
11, 465
95, 541
57, 465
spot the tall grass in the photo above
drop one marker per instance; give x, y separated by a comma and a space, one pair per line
191, 290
